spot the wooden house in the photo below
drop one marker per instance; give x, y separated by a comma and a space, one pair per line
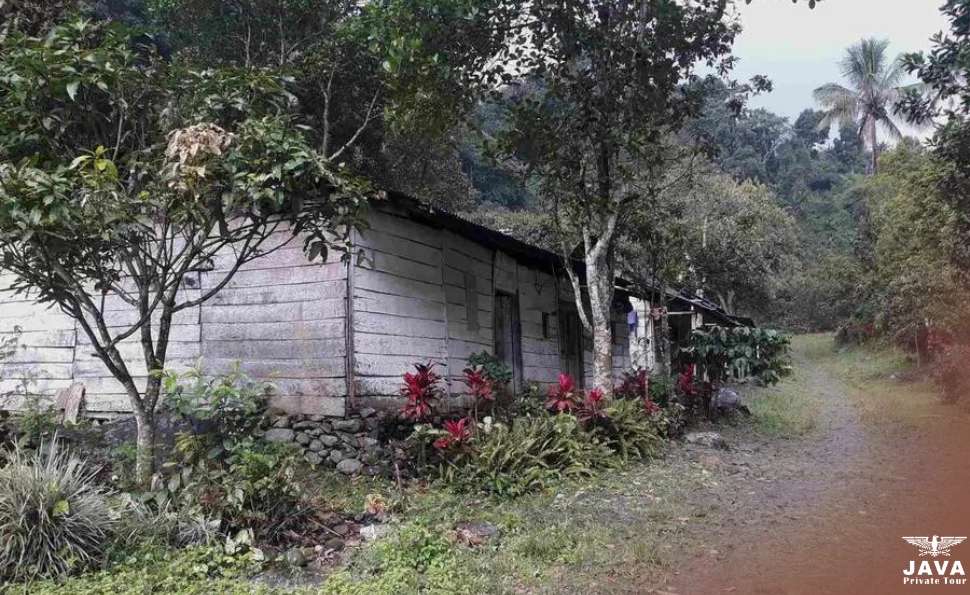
332, 337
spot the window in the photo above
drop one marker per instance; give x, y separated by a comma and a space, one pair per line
471, 301
546, 330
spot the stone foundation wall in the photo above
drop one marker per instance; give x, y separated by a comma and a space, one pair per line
350, 445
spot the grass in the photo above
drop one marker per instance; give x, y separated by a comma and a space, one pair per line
576, 538
886, 386
791, 408
783, 411
607, 534
621, 528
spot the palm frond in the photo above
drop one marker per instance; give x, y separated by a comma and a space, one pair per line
894, 74
865, 63
890, 128
841, 105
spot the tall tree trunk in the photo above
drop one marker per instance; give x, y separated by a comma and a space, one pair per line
727, 301
663, 341
145, 446
600, 283
874, 143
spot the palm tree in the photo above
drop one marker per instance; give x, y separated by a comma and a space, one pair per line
870, 103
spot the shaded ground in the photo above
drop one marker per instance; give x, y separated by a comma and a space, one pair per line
824, 513
817, 488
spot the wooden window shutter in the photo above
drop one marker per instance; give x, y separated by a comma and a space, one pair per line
471, 301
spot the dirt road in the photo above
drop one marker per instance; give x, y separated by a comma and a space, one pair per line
826, 513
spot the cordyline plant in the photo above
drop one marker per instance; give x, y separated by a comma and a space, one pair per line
481, 387
421, 389
133, 189
562, 396
593, 407
634, 385
457, 433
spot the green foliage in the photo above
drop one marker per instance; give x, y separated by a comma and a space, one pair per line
629, 432
723, 217
823, 293
417, 558
232, 402
196, 570
54, 519
661, 388
221, 469
915, 240
416, 547
164, 525
525, 455
36, 420
494, 368
111, 154
724, 353
867, 104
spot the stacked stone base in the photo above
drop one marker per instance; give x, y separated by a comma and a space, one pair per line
351, 445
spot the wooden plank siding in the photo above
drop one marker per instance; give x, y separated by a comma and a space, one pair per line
330, 336
416, 288
399, 306
45, 358
281, 317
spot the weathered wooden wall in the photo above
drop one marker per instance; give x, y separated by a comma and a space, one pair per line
420, 294
48, 340
399, 314
414, 293
281, 317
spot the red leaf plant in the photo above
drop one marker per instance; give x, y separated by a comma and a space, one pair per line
686, 387
593, 406
459, 433
422, 390
562, 396
480, 385
650, 407
634, 385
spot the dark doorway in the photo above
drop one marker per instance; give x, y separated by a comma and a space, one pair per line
571, 343
508, 335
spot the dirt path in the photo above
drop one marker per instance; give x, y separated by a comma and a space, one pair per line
825, 513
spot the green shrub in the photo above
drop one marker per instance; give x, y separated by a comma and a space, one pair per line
629, 431
416, 558
660, 389
165, 525
495, 369
36, 421
231, 405
222, 470
54, 520
248, 484
722, 353
525, 455
415, 546
154, 569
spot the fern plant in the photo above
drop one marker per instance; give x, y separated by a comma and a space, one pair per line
526, 455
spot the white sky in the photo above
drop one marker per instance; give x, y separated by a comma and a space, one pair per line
799, 49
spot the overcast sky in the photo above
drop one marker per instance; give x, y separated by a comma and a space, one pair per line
799, 49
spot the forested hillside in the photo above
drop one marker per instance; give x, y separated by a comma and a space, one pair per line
782, 220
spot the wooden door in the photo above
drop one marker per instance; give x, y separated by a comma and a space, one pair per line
571, 344
507, 333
